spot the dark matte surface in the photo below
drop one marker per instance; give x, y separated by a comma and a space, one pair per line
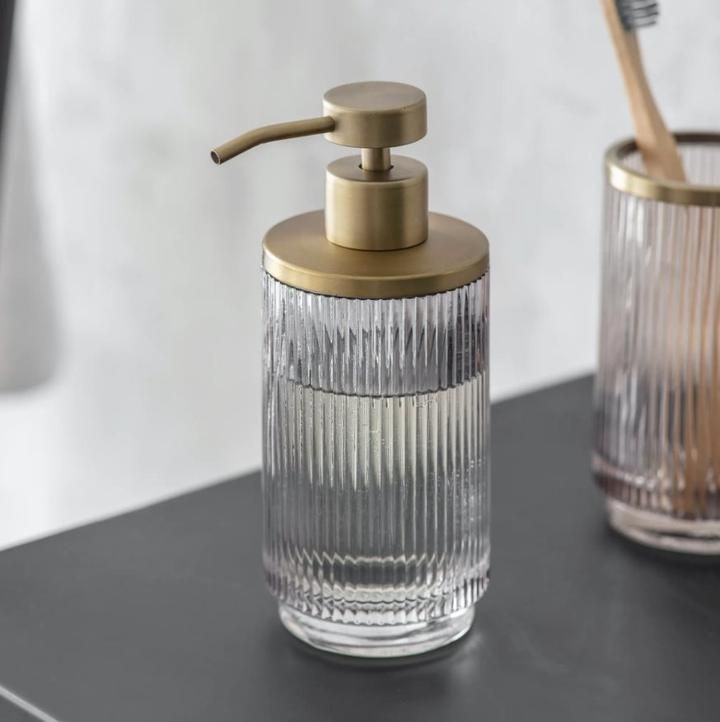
162, 615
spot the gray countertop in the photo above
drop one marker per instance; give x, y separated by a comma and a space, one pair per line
162, 614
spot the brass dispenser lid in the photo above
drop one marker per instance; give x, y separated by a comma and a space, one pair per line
376, 238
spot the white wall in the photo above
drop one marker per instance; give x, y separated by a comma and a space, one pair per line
133, 263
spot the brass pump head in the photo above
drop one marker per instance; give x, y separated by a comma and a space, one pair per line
374, 202
376, 238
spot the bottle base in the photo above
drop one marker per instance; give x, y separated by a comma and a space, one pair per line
664, 532
360, 640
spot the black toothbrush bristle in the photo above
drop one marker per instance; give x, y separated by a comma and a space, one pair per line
635, 14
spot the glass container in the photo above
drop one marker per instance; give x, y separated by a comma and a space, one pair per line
375, 483
657, 390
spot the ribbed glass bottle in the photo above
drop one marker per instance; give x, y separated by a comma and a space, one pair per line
375, 480
657, 391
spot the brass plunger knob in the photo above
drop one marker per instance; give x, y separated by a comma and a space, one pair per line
376, 114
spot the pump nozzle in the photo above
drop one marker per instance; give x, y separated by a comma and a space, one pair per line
279, 131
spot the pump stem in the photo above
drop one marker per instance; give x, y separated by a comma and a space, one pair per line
375, 159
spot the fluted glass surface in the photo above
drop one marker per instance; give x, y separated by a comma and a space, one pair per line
657, 391
376, 454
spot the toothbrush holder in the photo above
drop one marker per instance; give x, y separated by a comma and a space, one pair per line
657, 391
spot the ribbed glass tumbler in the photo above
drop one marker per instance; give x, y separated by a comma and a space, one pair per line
375, 470
657, 391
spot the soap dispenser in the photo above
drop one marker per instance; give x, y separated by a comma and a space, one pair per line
375, 393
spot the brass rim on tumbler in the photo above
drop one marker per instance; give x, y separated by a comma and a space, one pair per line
640, 184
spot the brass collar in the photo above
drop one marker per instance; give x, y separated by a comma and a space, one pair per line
297, 253
376, 211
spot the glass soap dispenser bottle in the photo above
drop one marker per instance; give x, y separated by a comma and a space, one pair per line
375, 393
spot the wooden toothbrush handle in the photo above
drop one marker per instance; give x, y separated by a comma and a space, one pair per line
657, 145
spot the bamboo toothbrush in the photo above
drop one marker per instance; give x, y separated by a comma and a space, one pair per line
657, 145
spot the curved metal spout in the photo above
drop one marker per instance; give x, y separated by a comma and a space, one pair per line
279, 131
